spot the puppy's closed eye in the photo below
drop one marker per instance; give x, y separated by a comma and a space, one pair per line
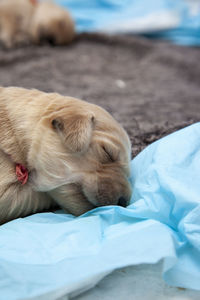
111, 153
109, 156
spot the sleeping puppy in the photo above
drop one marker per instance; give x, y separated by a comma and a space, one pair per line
31, 21
59, 151
51, 23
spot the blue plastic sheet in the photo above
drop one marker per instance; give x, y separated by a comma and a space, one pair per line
52, 254
178, 21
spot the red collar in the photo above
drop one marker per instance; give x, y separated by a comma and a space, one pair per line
22, 173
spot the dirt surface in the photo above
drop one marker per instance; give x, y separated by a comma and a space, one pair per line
151, 88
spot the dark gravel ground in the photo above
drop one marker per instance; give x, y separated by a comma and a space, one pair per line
151, 88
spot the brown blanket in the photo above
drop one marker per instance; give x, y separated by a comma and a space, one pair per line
151, 88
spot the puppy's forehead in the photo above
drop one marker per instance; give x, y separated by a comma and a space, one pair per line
108, 130
104, 123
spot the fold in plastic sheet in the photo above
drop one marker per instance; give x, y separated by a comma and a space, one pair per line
48, 255
178, 21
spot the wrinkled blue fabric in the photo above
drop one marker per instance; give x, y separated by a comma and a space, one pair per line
53, 254
178, 21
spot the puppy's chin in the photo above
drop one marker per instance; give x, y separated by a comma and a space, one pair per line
70, 198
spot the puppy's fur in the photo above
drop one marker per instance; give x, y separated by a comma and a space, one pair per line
77, 155
31, 21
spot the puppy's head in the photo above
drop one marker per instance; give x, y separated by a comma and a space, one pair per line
83, 147
51, 24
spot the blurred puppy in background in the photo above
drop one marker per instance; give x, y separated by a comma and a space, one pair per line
30, 21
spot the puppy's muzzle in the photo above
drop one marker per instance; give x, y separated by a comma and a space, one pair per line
112, 200
108, 192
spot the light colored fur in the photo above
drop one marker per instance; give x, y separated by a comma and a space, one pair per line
22, 22
76, 153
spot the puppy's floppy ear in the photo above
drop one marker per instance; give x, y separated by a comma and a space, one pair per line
75, 130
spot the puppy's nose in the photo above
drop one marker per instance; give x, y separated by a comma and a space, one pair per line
51, 40
122, 202
45, 37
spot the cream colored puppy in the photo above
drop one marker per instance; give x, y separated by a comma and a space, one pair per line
57, 150
51, 23
31, 21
